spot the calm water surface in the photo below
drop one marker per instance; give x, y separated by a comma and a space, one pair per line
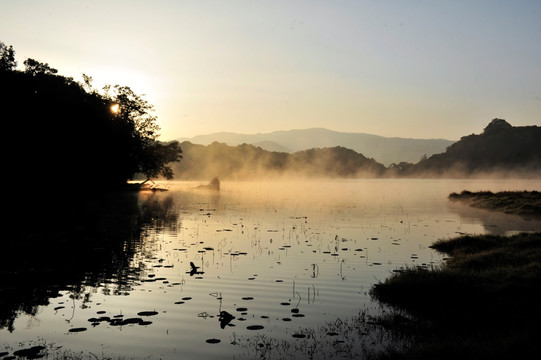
276, 256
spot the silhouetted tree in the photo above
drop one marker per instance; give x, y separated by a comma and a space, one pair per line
7, 57
73, 133
34, 67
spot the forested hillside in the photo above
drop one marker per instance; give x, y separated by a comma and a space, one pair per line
501, 150
251, 162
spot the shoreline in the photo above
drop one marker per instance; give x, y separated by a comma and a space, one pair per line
480, 302
525, 203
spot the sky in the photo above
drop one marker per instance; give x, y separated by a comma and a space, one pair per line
395, 68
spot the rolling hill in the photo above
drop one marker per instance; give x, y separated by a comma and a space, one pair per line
501, 150
382, 149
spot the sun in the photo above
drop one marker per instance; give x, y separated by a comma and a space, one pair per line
115, 109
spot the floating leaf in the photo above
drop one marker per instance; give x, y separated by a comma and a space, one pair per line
77, 329
147, 313
255, 327
30, 352
132, 321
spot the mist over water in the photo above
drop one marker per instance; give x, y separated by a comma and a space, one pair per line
277, 256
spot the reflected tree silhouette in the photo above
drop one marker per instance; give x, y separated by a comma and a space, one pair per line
75, 247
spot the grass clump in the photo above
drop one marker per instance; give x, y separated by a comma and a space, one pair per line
526, 203
482, 302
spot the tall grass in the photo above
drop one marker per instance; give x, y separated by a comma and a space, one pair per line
484, 301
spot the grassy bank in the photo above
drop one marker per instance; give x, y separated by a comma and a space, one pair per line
482, 303
511, 202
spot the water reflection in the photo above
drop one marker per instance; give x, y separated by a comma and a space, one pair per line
202, 267
495, 222
74, 245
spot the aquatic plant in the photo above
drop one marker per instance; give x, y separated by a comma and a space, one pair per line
362, 336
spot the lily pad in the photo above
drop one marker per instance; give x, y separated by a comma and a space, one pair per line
30, 352
79, 329
132, 321
255, 327
147, 313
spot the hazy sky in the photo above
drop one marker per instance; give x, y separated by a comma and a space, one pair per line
420, 69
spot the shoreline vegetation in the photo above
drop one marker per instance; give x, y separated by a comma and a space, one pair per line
526, 203
483, 301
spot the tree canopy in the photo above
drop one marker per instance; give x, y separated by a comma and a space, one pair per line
72, 133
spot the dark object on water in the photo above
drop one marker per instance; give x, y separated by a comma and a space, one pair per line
147, 313
32, 352
147, 185
194, 270
214, 184
225, 318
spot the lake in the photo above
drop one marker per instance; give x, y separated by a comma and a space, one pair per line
192, 273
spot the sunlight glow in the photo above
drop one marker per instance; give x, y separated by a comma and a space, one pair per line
115, 109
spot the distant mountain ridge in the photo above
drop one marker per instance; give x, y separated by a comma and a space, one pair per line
246, 161
382, 149
501, 150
